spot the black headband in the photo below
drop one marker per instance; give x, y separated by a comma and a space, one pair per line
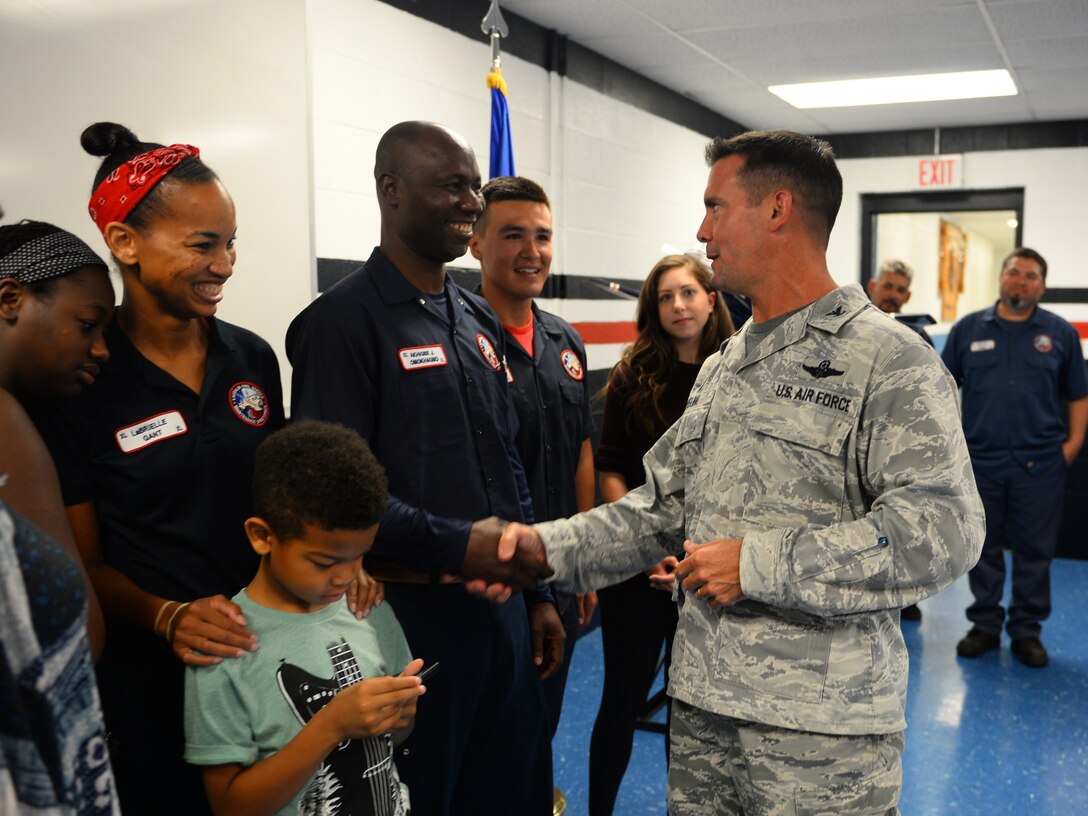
47, 256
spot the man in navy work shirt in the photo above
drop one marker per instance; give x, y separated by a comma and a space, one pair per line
546, 361
1016, 363
416, 366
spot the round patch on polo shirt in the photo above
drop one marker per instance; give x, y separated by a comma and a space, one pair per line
1043, 343
572, 364
249, 403
488, 351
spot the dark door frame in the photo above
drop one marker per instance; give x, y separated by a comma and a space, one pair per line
874, 204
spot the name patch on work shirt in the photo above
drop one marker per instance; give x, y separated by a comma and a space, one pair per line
983, 345
151, 430
415, 357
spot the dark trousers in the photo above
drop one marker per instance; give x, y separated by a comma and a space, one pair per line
636, 620
1023, 512
142, 686
556, 683
480, 742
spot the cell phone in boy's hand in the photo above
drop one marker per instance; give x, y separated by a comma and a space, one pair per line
428, 671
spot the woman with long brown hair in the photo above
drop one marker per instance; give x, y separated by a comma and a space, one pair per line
681, 321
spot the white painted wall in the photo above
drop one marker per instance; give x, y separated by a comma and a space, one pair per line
228, 77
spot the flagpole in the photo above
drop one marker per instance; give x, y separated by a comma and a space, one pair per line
502, 148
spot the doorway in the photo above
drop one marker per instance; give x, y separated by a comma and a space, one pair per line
953, 241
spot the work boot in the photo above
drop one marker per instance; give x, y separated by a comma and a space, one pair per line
1030, 651
976, 643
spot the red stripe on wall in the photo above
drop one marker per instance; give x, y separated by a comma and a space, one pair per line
621, 331
1082, 330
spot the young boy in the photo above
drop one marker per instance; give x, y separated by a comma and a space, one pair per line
294, 727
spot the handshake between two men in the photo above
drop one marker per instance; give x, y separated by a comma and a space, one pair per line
506, 557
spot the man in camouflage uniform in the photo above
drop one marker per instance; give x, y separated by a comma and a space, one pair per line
821, 458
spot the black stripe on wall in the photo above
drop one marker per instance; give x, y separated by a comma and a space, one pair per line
1061, 294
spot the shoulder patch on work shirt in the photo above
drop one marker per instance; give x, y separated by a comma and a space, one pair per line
983, 345
414, 357
488, 351
1043, 343
149, 431
249, 403
572, 364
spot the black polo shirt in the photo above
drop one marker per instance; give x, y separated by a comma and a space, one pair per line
551, 397
426, 386
170, 470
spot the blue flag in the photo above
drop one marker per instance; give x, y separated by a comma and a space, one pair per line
502, 147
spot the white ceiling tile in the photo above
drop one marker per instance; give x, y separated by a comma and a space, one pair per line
950, 27
1058, 52
735, 48
687, 77
910, 59
1034, 20
645, 51
687, 15
582, 19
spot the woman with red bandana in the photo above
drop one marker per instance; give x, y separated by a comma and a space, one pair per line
156, 460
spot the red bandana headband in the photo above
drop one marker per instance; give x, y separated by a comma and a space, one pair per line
129, 184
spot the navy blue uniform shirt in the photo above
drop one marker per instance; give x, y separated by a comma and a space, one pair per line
1014, 376
429, 394
170, 471
551, 396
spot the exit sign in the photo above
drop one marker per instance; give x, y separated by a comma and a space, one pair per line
939, 173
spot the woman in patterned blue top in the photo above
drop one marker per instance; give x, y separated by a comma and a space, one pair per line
55, 299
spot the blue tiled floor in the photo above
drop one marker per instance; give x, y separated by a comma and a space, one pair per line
985, 736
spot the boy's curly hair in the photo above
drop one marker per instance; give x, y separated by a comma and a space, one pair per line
317, 473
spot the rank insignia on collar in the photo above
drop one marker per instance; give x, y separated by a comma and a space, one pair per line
838, 311
822, 369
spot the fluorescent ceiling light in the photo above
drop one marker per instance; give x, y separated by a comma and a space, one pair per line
892, 90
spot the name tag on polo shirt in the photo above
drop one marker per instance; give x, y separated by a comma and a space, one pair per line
151, 430
983, 345
415, 357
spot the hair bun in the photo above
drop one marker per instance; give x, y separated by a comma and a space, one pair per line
107, 138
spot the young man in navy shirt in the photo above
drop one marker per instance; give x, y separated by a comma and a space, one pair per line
546, 361
1016, 363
